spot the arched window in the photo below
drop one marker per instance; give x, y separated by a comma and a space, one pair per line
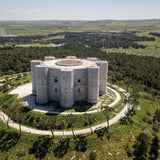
55, 89
79, 80
78, 90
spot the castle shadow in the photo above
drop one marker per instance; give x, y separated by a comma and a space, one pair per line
54, 107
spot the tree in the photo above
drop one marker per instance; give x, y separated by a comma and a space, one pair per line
19, 116
70, 120
62, 126
157, 115
153, 154
141, 146
106, 111
41, 147
156, 126
128, 82
88, 120
51, 124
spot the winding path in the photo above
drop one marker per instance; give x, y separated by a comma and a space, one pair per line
120, 115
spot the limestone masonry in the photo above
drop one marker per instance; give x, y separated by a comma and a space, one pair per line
68, 80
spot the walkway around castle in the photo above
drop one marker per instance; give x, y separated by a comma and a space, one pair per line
120, 115
25, 92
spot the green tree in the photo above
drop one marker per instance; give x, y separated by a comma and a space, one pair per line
157, 115
141, 146
70, 120
62, 126
51, 124
156, 126
107, 112
88, 120
153, 154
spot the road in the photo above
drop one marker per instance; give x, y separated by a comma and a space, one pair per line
114, 120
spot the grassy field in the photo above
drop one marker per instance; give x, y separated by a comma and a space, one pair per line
47, 27
104, 147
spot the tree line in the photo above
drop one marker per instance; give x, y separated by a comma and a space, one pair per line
154, 34
21, 39
106, 40
88, 39
122, 68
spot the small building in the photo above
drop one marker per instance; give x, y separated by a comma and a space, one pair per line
68, 80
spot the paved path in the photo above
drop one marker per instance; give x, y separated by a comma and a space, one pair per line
120, 115
12, 124
25, 92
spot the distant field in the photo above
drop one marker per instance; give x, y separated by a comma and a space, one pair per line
152, 49
47, 27
139, 52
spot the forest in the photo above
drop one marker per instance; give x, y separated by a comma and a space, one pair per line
106, 40
88, 39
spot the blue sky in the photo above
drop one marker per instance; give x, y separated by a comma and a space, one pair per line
79, 9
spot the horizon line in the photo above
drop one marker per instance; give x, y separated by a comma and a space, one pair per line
86, 20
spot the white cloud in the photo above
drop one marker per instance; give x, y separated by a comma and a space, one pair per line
37, 10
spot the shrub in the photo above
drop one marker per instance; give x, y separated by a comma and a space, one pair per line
92, 155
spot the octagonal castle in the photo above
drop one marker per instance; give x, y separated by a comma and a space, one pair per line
68, 80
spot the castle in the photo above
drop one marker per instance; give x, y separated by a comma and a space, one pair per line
68, 80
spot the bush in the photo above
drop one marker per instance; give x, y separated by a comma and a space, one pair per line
8, 140
92, 155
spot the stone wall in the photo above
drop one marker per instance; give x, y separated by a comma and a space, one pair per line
93, 84
103, 65
66, 88
41, 84
80, 84
54, 84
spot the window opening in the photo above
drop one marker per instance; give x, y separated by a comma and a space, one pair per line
55, 80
